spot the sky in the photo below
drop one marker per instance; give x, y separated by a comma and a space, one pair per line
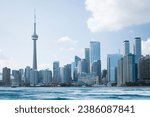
66, 27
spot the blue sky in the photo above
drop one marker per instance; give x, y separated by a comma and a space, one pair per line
65, 28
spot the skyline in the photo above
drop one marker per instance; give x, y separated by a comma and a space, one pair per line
59, 38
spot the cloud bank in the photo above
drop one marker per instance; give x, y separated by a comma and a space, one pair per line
112, 15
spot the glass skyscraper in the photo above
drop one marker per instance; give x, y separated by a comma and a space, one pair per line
129, 69
87, 58
56, 78
126, 47
112, 62
94, 51
137, 49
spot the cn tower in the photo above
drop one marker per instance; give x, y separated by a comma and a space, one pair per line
34, 38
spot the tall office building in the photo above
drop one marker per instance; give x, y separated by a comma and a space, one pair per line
65, 74
33, 77
41, 76
120, 81
34, 38
144, 69
74, 72
129, 69
6, 76
27, 76
68, 73
94, 51
87, 58
17, 77
21, 71
76, 59
56, 77
126, 47
96, 68
82, 66
47, 77
112, 61
137, 49
62, 75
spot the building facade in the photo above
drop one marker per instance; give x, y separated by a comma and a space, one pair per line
126, 47
47, 77
112, 62
87, 58
33, 77
94, 51
26, 78
6, 76
144, 69
137, 49
129, 75
56, 76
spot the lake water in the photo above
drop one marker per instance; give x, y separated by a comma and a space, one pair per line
74, 93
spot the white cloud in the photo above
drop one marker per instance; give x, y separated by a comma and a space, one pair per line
69, 47
111, 15
66, 44
146, 47
66, 40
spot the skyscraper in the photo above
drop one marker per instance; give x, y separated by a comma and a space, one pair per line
6, 76
74, 72
129, 69
56, 76
112, 61
126, 47
17, 77
76, 59
137, 49
82, 66
96, 68
144, 69
65, 74
27, 76
120, 81
47, 77
34, 38
33, 77
94, 52
87, 58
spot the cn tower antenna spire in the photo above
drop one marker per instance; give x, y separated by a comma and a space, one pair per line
34, 21
34, 38
34, 15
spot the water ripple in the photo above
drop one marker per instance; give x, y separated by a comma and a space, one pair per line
75, 93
